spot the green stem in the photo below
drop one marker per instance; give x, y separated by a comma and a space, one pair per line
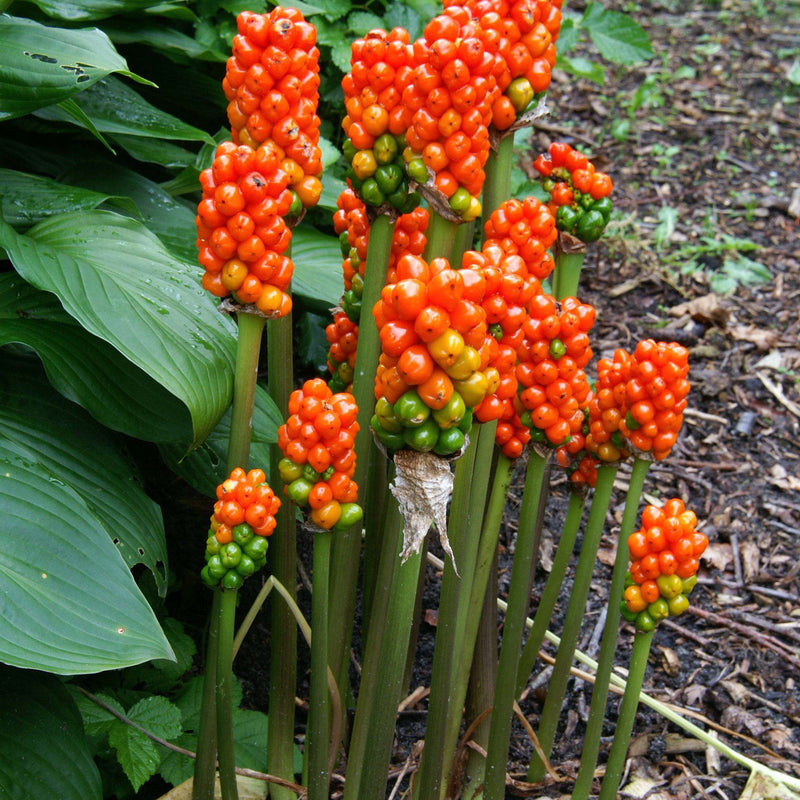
453, 603
462, 241
572, 623
347, 545
374, 512
567, 274
384, 662
518, 597
608, 645
487, 549
555, 580
205, 765
497, 186
319, 708
283, 633
627, 714
248, 350
441, 233
227, 758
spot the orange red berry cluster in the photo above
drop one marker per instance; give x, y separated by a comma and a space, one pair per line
241, 233
342, 336
656, 396
522, 34
271, 83
550, 371
665, 556
580, 198
377, 118
434, 365
526, 229
607, 408
244, 515
319, 461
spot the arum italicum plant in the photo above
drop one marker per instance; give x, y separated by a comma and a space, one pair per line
446, 349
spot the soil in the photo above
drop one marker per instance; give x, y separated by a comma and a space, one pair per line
713, 147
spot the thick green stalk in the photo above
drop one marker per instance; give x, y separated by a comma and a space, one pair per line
552, 588
454, 597
608, 645
383, 667
248, 350
283, 551
441, 234
572, 623
627, 715
347, 545
497, 186
518, 598
227, 758
567, 274
374, 512
462, 241
319, 708
205, 765
487, 549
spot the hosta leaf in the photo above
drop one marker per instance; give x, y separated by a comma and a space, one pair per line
114, 107
54, 555
45, 754
38, 425
168, 40
83, 10
167, 218
204, 467
86, 369
115, 277
317, 268
26, 199
40, 66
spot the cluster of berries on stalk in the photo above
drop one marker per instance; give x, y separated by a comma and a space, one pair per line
434, 365
665, 556
319, 461
241, 232
553, 384
580, 196
244, 516
271, 83
522, 35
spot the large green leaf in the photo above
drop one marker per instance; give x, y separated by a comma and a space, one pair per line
114, 107
45, 754
86, 369
167, 218
317, 268
166, 39
84, 10
618, 37
204, 467
39, 426
40, 66
69, 602
26, 199
117, 279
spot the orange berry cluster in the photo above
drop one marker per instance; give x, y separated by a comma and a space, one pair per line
607, 408
550, 371
524, 228
241, 233
665, 556
377, 118
352, 225
579, 195
244, 515
433, 367
522, 34
271, 84
319, 461
656, 396
342, 335
451, 96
